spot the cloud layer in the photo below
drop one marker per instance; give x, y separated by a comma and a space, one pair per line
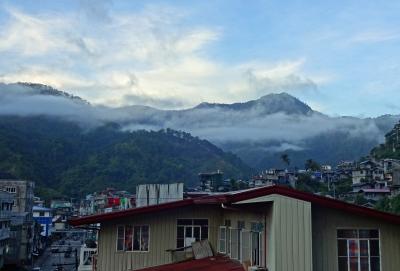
144, 57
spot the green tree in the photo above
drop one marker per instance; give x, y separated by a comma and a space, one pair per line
312, 165
360, 200
285, 158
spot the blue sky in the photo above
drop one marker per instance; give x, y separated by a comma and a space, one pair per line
341, 57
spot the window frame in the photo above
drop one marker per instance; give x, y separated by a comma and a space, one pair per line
358, 239
192, 225
11, 189
133, 234
223, 240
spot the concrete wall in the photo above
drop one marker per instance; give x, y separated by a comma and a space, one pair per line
325, 223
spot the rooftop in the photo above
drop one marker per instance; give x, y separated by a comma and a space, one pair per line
237, 196
41, 209
218, 263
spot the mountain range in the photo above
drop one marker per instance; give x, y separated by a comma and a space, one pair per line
64, 159
258, 131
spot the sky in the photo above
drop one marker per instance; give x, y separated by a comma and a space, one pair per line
340, 57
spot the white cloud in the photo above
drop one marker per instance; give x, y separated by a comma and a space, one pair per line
150, 53
374, 36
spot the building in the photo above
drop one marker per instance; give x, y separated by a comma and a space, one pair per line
62, 209
368, 171
6, 204
273, 177
373, 194
211, 182
23, 191
22, 224
107, 200
274, 227
44, 217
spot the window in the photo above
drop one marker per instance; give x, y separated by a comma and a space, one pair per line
191, 230
240, 226
358, 250
11, 189
133, 238
222, 239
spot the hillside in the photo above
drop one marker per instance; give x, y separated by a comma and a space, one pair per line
391, 147
258, 131
63, 158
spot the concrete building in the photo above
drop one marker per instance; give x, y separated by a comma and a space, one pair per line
211, 181
44, 217
272, 227
368, 171
62, 209
23, 191
22, 224
273, 177
6, 203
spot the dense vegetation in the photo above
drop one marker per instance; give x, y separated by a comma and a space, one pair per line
391, 205
65, 159
385, 151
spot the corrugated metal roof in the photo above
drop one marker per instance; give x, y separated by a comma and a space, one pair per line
232, 197
218, 263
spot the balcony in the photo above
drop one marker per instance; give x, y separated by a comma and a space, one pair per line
87, 258
5, 215
4, 234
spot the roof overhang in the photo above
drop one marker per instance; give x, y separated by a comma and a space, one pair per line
249, 195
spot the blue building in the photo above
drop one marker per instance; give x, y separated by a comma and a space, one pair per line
44, 217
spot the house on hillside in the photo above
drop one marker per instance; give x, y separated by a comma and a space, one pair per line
368, 171
270, 227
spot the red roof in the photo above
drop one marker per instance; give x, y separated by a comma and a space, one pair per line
218, 263
232, 197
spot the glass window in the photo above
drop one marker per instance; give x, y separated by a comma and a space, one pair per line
222, 240
189, 230
141, 238
120, 238
358, 250
133, 238
128, 238
347, 233
144, 241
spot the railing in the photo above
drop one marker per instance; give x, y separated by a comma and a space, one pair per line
181, 254
86, 259
5, 214
4, 234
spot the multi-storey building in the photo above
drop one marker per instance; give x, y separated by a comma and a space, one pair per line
62, 210
6, 203
22, 224
43, 216
211, 181
367, 171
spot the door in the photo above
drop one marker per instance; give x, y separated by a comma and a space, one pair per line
192, 234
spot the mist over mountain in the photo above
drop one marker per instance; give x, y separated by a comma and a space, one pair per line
258, 131
266, 105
